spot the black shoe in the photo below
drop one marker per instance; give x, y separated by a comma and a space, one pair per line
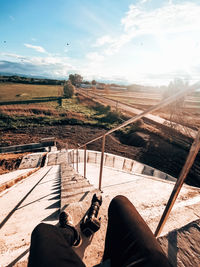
65, 221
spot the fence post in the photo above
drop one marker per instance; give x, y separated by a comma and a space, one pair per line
102, 158
85, 161
117, 105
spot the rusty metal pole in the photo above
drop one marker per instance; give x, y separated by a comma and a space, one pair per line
73, 158
102, 158
77, 160
69, 158
85, 161
185, 170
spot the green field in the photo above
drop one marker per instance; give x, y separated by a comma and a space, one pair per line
72, 111
18, 91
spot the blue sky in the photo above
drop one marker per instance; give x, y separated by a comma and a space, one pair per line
144, 41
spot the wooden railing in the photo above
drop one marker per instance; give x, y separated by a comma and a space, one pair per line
191, 157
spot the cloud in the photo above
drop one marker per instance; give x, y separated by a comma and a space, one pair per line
94, 56
143, 1
11, 55
37, 48
168, 19
49, 66
106, 39
29, 68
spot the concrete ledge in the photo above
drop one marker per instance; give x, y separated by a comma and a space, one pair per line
33, 160
12, 181
28, 147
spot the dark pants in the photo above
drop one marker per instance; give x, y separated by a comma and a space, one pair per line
129, 241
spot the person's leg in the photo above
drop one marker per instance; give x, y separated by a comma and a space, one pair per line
129, 241
51, 246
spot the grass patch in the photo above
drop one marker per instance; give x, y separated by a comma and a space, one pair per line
18, 91
73, 111
73, 104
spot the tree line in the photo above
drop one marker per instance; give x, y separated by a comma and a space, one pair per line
28, 80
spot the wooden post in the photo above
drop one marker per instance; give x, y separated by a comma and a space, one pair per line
117, 105
102, 158
185, 170
77, 160
85, 161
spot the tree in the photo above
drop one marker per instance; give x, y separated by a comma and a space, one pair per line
106, 89
176, 109
86, 82
68, 89
175, 86
75, 79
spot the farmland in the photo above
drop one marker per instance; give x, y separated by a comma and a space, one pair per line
187, 114
17, 91
80, 119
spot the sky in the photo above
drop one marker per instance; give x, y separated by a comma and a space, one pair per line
145, 41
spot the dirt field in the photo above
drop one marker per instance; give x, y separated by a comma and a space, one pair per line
9, 162
189, 115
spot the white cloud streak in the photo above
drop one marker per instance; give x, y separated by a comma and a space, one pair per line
143, 1
36, 48
94, 56
171, 18
50, 65
106, 39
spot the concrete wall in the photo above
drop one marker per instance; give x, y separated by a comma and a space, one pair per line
28, 147
117, 162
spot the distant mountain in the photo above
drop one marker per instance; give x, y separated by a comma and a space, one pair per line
29, 76
5, 78
56, 78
